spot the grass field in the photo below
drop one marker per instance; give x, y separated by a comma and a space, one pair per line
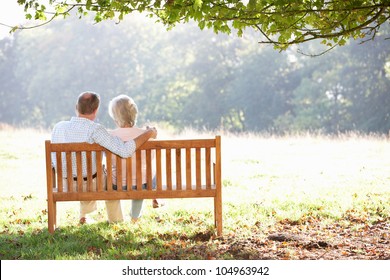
290, 197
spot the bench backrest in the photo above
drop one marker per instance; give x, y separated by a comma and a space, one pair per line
180, 168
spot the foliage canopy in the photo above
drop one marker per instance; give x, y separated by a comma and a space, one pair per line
280, 22
192, 78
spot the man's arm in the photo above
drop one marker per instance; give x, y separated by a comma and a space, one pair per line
142, 138
113, 143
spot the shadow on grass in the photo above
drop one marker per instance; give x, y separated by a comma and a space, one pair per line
102, 241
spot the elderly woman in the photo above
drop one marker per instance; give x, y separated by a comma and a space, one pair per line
124, 111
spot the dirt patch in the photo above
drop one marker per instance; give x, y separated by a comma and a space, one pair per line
312, 241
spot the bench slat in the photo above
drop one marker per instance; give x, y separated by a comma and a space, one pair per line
89, 172
158, 170
138, 160
59, 170
188, 168
151, 144
115, 195
178, 144
74, 147
168, 168
208, 168
79, 172
149, 171
99, 172
129, 172
69, 175
198, 168
118, 163
109, 170
178, 169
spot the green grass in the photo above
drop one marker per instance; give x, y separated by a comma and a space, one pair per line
269, 182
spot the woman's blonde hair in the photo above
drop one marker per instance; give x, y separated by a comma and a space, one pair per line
123, 111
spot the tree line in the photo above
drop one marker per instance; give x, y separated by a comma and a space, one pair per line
186, 77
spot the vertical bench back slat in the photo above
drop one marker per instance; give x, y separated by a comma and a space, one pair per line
99, 172
89, 173
198, 168
69, 175
59, 172
188, 169
158, 170
109, 170
178, 169
208, 168
168, 168
129, 174
79, 172
138, 176
149, 170
118, 163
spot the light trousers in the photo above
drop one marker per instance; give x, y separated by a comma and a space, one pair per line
113, 207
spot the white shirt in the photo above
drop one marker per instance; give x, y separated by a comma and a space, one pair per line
84, 130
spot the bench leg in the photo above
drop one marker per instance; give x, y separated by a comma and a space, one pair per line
52, 216
218, 214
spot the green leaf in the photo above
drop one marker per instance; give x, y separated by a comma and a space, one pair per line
342, 42
14, 29
202, 24
109, 14
88, 4
198, 4
252, 4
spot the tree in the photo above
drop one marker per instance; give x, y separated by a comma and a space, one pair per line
280, 22
348, 90
369, 93
188, 77
10, 90
261, 88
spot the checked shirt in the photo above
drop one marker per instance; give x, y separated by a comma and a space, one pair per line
84, 130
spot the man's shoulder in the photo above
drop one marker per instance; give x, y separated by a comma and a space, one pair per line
77, 122
61, 124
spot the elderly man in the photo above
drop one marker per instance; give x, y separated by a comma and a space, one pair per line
83, 128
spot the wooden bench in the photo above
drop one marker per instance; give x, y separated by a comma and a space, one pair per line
182, 169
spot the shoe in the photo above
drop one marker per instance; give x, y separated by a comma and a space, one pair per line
158, 204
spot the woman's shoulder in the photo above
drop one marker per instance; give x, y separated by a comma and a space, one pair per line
127, 133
